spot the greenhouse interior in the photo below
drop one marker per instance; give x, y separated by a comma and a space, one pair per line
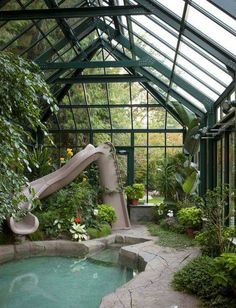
118, 153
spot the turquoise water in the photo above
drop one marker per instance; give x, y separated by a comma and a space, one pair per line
48, 282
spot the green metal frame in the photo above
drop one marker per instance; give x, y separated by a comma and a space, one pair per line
113, 28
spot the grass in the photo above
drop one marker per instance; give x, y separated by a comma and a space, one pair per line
169, 238
155, 200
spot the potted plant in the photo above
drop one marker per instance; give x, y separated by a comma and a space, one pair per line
190, 218
135, 192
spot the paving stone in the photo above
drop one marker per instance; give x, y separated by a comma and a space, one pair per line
152, 287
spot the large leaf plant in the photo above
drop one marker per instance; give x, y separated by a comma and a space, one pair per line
188, 177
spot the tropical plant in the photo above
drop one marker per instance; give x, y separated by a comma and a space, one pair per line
215, 237
40, 163
190, 217
106, 213
78, 232
23, 94
190, 120
135, 191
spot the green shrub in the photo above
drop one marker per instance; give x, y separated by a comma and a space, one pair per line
101, 231
196, 278
216, 237
225, 270
190, 217
37, 236
106, 213
135, 191
210, 242
77, 201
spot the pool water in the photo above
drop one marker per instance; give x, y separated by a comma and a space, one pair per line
48, 282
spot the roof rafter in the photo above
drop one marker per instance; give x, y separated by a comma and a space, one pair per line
229, 7
191, 33
93, 64
121, 56
206, 101
74, 12
107, 78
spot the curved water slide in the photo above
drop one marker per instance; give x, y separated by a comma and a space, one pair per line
45, 186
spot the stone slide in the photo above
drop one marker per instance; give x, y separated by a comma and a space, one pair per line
109, 177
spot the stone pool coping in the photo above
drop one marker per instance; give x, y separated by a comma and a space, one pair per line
62, 247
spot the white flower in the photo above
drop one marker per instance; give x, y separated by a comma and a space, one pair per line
95, 212
170, 213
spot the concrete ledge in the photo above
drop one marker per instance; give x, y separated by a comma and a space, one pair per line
49, 248
62, 247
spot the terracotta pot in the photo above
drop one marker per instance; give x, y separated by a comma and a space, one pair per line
190, 232
135, 201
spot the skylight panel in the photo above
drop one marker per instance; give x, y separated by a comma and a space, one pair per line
175, 6
211, 29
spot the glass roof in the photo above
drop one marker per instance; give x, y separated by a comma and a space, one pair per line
119, 68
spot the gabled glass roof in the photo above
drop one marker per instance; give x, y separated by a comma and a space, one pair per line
151, 52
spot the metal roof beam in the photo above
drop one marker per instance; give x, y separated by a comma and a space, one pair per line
121, 10
109, 106
118, 54
191, 33
93, 64
101, 79
91, 49
64, 26
119, 130
81, 31
225, 94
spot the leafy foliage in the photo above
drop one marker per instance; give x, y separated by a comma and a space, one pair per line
135, 191
78, 232
192, 138
100, 231
106, 213
215, 237
77, 200
225, 270
40, 163
196, 278
22, 87
190, 217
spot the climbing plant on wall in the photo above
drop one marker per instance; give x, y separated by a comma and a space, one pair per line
23, 92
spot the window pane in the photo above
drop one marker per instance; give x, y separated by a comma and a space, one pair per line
174, 139
140, 139
99, 118
139, 117
156, 139
121, 139
121, 117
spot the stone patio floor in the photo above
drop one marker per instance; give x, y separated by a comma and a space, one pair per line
151, 288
